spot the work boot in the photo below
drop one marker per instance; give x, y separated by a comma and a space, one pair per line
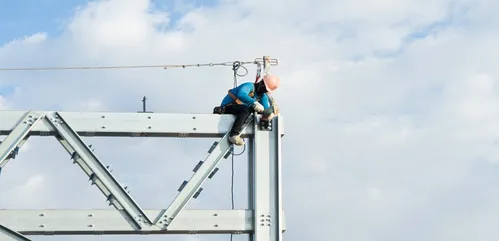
236, 140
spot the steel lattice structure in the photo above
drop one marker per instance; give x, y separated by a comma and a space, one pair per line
262, 219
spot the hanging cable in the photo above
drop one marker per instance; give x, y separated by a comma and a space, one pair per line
232, 189
235, 68
232, 180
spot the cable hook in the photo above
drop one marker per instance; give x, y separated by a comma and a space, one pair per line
235, 68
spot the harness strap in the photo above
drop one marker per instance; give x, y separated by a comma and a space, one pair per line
237, 100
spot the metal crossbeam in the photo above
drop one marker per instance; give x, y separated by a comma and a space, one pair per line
130, 124
98, 173
218, 150
18, 136
111, 222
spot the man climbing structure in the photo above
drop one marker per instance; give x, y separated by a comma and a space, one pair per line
247, 98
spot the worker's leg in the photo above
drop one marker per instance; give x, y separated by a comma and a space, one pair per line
242, 113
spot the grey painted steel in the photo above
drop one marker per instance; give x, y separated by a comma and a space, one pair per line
17, 137
9, 234
267, 187
216, 154
250, 179
130, 124
264, 181
97, 172
111, 222
276, 179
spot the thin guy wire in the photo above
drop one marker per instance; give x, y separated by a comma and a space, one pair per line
125, 66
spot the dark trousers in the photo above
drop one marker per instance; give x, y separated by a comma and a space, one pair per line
242, 113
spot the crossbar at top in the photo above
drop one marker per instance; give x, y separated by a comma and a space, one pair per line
116, 124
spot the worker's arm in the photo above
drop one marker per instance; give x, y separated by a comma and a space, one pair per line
265, 101
268, 113
243, 94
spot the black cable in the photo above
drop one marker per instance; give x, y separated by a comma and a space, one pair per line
235, 67
244, 149
232, 188
232, 185
232, 180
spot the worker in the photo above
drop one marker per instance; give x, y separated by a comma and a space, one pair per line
245, 99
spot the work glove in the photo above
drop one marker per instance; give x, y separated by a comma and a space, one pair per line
258, 107
269, 118
268, 114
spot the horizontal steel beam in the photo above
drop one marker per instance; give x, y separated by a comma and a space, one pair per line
116, 124
111, 222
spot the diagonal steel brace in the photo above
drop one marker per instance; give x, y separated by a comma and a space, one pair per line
18, 136
191, 188
98, 173
13, 235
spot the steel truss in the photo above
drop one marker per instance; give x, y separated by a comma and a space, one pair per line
262, 220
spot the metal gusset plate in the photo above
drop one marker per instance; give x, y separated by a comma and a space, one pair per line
98, 173
192, 188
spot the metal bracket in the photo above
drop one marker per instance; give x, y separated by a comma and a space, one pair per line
266, 60
265, 125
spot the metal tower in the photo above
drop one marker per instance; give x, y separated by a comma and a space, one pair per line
262, 219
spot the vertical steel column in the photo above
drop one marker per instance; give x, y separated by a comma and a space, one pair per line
250, 145
267, 183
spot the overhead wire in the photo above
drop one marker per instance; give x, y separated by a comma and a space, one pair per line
166, 66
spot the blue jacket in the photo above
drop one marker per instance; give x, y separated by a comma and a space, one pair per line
243, 92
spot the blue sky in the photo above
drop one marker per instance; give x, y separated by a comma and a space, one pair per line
21, 18
24, 17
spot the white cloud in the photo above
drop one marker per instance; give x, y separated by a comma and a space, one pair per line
396, 148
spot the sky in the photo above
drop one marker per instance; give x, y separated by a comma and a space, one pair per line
390, 108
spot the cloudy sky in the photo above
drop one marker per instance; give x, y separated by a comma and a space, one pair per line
390, 107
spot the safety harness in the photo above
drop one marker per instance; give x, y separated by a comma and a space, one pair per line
220, 110
235, 99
